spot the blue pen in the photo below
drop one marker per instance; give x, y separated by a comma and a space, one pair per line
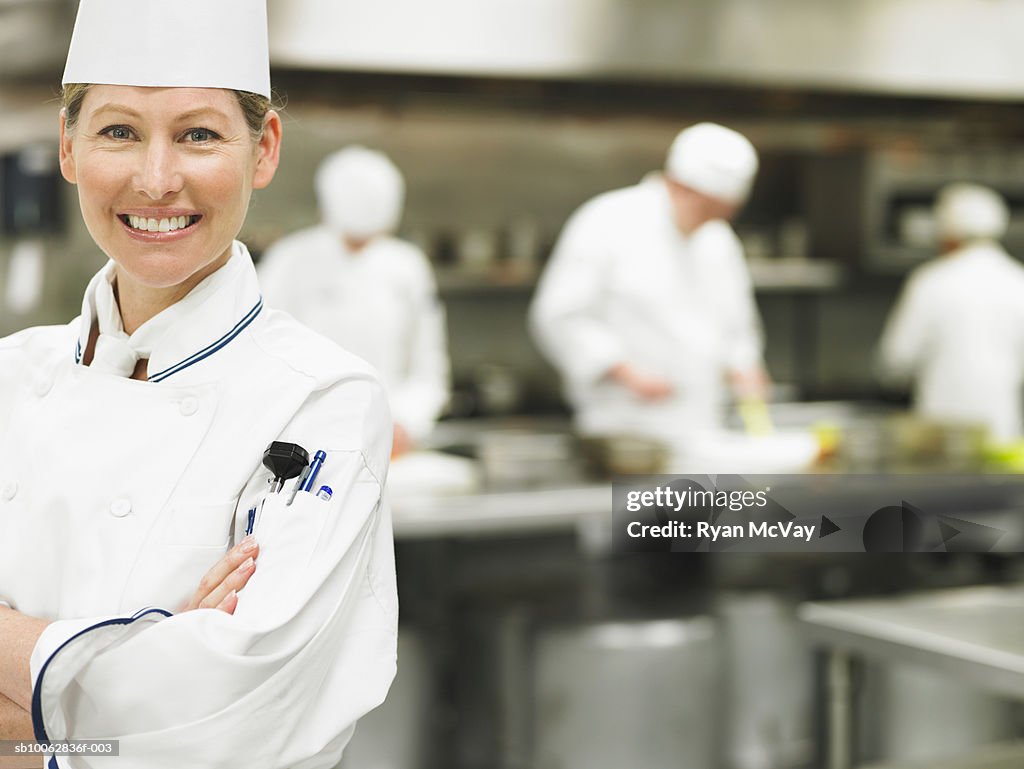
314, 467
252, 520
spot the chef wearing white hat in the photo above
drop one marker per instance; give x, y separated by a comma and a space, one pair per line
957, 329
374, 294
132, 606
646, 307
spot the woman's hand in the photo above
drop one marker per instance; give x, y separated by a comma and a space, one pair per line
218, 589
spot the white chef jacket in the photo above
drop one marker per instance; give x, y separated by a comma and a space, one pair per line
116, 496
958, 331
624, 285
380, 303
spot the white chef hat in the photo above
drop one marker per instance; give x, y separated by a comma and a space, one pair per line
361, 192
970, 211
714, 160
220, 44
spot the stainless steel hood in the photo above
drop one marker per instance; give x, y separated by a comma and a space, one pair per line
960, 48
34, 37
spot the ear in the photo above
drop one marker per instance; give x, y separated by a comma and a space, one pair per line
268, 152
67, 158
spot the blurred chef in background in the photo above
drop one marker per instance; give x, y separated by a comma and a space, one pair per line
646, 307
352, 280
957, 329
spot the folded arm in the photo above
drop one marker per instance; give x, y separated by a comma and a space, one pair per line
309, 648
18, 636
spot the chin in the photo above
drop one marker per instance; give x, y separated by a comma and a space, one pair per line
157, 271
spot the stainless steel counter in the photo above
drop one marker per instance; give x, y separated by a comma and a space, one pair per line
558, 496
999, 757
499, 512
974, 634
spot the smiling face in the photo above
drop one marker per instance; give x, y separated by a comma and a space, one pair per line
164, 178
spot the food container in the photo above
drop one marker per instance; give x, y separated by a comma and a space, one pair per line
516, 458
610, 455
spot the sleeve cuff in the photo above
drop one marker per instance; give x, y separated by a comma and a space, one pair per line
63, 649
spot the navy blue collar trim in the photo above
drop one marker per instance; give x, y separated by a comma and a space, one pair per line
206, 352
209, 350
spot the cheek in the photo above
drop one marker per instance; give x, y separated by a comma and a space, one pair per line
225, 183
99, 182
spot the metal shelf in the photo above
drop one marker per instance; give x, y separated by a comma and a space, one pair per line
780, 274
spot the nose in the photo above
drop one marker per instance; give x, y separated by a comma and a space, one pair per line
158, 174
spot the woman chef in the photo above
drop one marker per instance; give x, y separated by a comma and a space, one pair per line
131, 440
374, 294
957, 329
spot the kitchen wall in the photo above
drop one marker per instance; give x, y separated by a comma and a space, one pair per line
488, 158
482, 158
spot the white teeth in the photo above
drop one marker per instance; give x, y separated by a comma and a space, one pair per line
159, 225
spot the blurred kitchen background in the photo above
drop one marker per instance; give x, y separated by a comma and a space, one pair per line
525, 642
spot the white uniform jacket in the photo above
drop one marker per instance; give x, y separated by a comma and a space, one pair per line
958, 331
116, 496
624, 285
380, 303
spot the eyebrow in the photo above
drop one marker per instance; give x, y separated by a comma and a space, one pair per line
188, 115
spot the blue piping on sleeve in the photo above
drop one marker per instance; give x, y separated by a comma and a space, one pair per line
37, 699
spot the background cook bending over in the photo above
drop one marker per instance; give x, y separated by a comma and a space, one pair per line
646, 307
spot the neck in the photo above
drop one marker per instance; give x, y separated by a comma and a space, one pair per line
139, 303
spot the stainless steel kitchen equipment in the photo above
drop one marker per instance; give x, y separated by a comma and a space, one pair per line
873, 207
618, 694
1009, 756
514, 459
963, 634
844, 44
769, 686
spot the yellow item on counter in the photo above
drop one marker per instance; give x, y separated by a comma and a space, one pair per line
1007, 457
829, 436
755, 416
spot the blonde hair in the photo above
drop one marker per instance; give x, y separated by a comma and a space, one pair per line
254, 107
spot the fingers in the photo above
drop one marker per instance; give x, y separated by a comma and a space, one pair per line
229, 603
232, 583
225, 576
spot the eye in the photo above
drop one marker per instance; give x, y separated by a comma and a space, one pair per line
200, 135
118, 132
